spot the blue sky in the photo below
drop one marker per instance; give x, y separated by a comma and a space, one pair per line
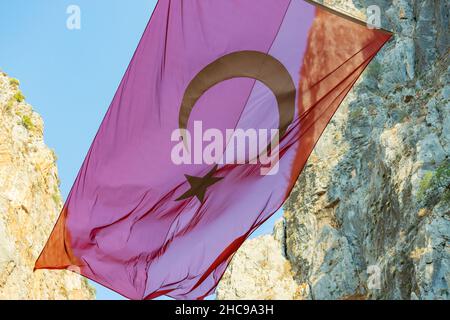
70, 76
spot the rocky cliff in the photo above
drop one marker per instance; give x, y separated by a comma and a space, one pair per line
29, 204
369, 217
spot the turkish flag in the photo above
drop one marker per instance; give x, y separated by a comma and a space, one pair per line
167, 193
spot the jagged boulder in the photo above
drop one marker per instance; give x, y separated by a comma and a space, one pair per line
30, 202
369, 217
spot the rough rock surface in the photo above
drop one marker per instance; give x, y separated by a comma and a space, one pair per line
247, 282
29, 204
370, 215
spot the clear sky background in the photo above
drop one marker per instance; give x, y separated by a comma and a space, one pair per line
70, 76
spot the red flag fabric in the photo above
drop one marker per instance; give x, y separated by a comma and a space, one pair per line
210, 127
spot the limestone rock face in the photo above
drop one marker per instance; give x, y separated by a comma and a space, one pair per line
370, 215
29, 204
244, 280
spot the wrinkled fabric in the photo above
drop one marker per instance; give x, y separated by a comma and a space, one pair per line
122, 225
